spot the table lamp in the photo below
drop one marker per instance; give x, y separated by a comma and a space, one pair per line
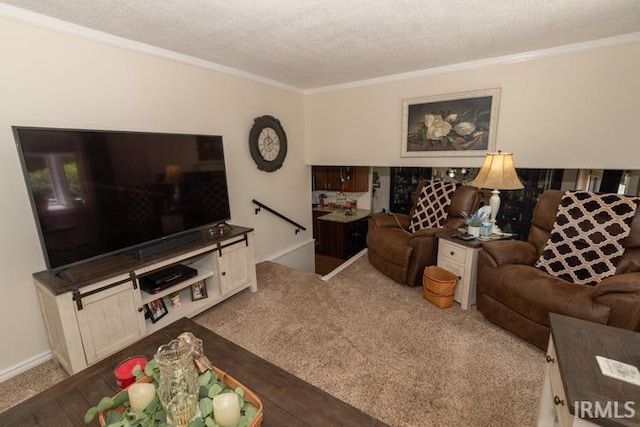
497, 173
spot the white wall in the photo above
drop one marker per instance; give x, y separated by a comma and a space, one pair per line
569, 111
576, 110
49, 79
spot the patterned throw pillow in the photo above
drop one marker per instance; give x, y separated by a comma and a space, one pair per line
586, 240
433, 205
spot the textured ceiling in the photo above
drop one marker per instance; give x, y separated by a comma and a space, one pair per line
316, 43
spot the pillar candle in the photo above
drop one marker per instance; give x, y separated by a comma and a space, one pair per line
226, 409
140, 395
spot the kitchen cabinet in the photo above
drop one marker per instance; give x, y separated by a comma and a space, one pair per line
342, 236
317, 213
346, 179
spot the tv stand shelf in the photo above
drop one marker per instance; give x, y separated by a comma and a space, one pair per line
98, 308
202, 275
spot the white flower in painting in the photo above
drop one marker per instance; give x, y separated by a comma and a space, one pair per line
451, 118
436, 127
464, 128
428, 120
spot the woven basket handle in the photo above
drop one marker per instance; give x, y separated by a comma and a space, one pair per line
443, 293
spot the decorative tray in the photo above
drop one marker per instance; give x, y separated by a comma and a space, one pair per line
227, 379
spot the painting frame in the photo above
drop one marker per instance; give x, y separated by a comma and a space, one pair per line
156, 310
461, 124
199, 291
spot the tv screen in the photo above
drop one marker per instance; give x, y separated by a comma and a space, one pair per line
95, 193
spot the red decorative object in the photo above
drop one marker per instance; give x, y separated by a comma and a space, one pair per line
124, 370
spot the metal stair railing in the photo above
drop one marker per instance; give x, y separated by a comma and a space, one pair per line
278, 214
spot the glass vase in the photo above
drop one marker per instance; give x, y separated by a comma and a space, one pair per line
178, 382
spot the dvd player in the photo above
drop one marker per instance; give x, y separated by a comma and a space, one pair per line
157, 281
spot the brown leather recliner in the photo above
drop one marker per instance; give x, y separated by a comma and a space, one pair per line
515, 295
402, 255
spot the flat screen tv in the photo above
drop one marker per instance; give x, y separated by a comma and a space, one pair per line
95, 193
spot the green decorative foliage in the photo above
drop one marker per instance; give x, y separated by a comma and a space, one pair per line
154, 416
215, 389
205, 378
105, 403
152, 369
154, 407
138, 372
91, 414
204, 391
475, 219
250, 411
114, 417
120, 399
198, 422
206, 407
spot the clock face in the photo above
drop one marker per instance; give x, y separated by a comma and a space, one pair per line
268, 144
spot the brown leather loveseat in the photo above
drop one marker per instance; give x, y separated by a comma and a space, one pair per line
517, 296
402, 255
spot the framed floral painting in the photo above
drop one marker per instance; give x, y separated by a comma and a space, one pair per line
459, 124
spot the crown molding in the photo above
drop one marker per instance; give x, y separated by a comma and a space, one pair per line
489, 62
79, 31
64, 27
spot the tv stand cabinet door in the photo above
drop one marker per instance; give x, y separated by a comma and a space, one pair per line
237, 267
110, 320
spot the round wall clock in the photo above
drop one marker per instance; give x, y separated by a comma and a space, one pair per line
268, 143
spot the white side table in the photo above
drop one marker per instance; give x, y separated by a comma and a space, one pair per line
461, 258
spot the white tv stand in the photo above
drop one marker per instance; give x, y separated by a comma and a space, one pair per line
102, 310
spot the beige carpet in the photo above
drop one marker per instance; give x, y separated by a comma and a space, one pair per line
29, 383
373, 343
384, 349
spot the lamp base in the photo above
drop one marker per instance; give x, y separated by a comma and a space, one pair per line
495, 229
494, 203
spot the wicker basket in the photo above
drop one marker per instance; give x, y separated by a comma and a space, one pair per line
228, 380
439, 286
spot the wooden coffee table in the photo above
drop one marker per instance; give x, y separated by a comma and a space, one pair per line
574, 385
287, 400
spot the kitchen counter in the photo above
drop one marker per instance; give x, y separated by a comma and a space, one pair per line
339, 235
339, 214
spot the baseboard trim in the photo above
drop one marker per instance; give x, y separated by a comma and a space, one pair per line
25, 365
290, 250
344, 265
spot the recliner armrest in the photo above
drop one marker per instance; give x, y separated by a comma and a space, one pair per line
381, 219
425, 232
619, 283
511, 252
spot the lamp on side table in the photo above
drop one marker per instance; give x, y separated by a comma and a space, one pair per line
497, 173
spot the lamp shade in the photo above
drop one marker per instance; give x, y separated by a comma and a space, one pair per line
498, 173
173, 174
